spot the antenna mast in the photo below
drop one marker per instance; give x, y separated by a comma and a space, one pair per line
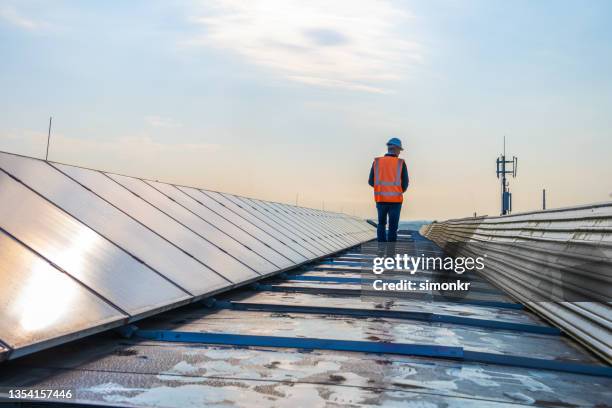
506, 167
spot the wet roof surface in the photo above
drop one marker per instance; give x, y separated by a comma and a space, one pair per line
109, 370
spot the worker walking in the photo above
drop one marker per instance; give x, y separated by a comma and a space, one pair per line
389, 177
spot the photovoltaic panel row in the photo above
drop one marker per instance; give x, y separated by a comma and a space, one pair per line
260, 224
196, 225
310, 229
151, 217
250, 243
109, 221
337, 234
119, 248
350, 232
81, 252
285, 231
244, 224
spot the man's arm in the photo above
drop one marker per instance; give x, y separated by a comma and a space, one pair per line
405, 179
371, 179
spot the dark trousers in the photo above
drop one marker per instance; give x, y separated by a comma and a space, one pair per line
391, 210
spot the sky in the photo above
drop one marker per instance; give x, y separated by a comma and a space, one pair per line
290, 100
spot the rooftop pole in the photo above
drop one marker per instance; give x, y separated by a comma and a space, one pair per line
48, 138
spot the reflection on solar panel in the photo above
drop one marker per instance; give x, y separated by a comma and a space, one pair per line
40, 303
82, 251
115, 225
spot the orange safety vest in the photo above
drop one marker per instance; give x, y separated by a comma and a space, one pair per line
388, 179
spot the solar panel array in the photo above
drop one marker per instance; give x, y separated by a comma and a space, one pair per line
82, 251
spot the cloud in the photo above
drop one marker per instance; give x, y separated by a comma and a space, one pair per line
15, 18
161, 122
350, 44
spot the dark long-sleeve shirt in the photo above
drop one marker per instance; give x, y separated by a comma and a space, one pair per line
405, 179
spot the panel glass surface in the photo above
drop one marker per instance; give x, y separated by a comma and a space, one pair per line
308, 226
333, 220
313, 223
360, 225
287, 230
243, 223
252, 244
332, 235
339, 233
314, 238
255, 218
341, 223
102, 217
39, 303
197, 225
82, 252
160, 223
289, 225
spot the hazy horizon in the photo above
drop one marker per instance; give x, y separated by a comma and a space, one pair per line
286, 100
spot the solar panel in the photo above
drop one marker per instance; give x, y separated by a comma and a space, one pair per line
41, 304
356, 231
310, 227
338, 233
197, 225
346, 232
314, 222
113, 224
316, 234
82, 253
286, 229
350, 233
243, 223
116, 248
160, 223
255, 218
199, 210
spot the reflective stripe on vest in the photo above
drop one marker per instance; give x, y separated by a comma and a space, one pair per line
388, 193
388, 179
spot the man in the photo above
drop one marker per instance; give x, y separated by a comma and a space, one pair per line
389, 177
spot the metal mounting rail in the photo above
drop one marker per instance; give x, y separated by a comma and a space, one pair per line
418, 350
390, 314
359, 292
